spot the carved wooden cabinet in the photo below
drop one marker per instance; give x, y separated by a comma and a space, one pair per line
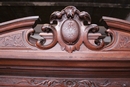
72, 54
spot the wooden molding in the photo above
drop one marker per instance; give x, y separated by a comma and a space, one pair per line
63, 82
73, 54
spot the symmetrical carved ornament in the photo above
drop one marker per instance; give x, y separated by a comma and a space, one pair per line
70, 31
63, 82
70, 28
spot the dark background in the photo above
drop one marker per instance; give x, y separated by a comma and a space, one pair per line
13, 9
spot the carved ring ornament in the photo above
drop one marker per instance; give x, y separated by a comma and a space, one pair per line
70, 31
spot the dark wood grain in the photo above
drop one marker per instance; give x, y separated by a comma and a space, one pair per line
73, 54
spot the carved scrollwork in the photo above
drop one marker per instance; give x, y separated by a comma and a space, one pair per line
49, 29
85, 16
100, 43
28, 34
35, 82
56, 15
41, 42
112, 35
70, 31
63, 82
86, 83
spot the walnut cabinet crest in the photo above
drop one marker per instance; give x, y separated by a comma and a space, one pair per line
71, 52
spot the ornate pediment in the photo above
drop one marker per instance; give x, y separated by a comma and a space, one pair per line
70, 52
70, 31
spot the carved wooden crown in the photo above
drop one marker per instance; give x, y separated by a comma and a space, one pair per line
71, 30
26, 61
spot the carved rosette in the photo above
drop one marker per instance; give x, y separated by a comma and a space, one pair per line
69, 31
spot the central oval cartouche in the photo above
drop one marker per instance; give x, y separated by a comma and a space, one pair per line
70, 32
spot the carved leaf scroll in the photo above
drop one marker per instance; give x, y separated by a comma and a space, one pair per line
14, 40
64, 82
47, 28
69, 31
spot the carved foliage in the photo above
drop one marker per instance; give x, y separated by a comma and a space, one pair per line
56, 82
35, 82
70, 31
124, 42
14, 40
120, 41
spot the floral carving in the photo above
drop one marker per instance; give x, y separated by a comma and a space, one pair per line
124, 42
35, 82
86, 83
69, 83
14, 40
63, 82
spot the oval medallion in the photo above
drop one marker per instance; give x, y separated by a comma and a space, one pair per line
70, 32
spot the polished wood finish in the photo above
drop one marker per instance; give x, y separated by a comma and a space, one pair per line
74, 54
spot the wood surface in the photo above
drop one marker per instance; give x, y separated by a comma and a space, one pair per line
73, 54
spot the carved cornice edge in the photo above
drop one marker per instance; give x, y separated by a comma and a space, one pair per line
18, 23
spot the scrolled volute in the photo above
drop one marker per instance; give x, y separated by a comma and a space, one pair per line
99, 43
48, 29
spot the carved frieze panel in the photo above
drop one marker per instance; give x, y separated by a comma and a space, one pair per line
64, 82
13, 40
123, 42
